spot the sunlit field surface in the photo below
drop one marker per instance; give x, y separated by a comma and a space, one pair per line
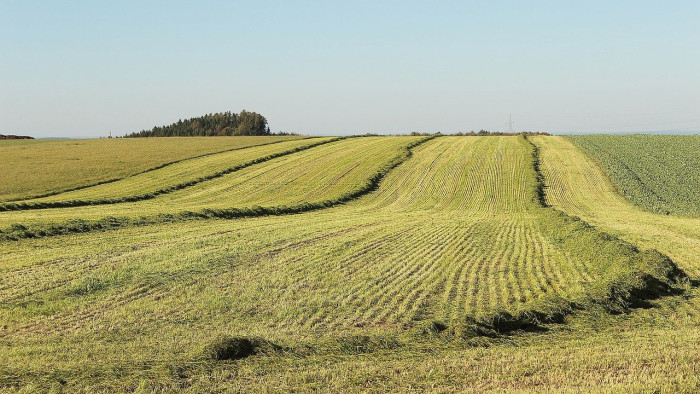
364, 263
660, 173
37, 167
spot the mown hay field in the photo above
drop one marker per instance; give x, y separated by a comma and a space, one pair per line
447, 263
660, 173
37, 167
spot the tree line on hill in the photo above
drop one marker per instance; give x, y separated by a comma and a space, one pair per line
15, 137
218, 124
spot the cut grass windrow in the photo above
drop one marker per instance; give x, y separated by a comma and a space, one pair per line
629, 276
147, 196
73, 164
453, 255
19, 231
627, 279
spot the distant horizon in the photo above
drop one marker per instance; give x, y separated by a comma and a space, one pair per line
564, 133
83, 68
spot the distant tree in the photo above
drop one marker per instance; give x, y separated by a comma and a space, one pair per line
218, 124
250, 123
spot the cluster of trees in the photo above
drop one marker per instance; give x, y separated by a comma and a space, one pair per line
218, 124
15, 137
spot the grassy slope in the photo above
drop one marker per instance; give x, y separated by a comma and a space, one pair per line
75, 163
170, 178
319, 174
578, 186
658, 172
450, 233
649, 349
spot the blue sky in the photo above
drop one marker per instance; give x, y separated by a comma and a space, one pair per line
83, 68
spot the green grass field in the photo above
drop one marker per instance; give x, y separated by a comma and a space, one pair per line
658, 172
77, 163
410, 263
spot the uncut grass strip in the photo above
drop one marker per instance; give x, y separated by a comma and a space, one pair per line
18, 231
141, 197
158, 167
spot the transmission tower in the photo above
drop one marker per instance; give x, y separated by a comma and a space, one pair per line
510, 124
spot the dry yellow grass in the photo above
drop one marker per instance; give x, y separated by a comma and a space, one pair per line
35, 167
348, 292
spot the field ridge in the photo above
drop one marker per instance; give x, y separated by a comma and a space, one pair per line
19, 231
641, 275
147, 170
27, 205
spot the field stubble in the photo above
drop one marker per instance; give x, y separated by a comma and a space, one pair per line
453, 243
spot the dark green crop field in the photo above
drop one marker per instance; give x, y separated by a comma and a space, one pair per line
658, 172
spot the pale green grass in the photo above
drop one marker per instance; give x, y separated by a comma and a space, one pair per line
660, 173
452, 232
322, 173
579, 187
35, 167
183, 172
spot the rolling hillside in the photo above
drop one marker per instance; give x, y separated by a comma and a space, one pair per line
660, 173
80, 163
578, 186
167, 179
407, 257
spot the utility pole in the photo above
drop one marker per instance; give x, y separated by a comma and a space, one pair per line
510, 124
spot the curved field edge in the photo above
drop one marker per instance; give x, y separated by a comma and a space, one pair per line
570, 171
630, 276
348, 347
657, 173
144, 171
19, 231
147, 196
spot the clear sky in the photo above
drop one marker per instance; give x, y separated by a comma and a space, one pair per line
83, 68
